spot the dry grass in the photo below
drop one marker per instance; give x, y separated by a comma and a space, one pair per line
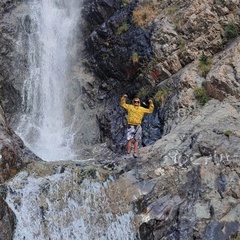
143, 92
144, 14
160, 97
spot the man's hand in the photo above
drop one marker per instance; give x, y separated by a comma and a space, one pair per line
125, 95
150, 101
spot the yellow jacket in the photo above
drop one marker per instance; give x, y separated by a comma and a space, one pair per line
135, 113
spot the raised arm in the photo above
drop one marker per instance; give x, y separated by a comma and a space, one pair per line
150, 108
123, 101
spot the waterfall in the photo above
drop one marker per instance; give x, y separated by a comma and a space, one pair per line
60, 202
44, 126
64, 206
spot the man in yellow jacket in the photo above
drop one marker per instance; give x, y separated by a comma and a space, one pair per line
134, 120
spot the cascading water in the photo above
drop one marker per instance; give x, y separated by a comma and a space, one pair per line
64, 206
61, 203
51, 37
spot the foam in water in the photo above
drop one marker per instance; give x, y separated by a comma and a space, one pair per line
59, 207
52, 35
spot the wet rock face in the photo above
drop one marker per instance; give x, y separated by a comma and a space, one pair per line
171, 208
97, 11
13, 157
13, 64
7, 221
121, 60
118, 51
202, 180
13, 153
117, 48
185, 204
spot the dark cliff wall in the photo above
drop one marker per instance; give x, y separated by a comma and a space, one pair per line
119, 52
139, 48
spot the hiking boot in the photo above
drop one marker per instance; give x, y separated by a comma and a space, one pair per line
127, 156
135, 155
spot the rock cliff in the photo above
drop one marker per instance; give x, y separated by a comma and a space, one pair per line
183, 55
173, 35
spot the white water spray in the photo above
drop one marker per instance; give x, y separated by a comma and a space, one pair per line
43, 127
60, 207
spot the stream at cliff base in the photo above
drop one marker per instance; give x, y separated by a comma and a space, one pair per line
60, 207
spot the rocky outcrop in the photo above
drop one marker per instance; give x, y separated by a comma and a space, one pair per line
13, 63
14, 155
185, 186
184, 30
178, 33
195, 167
118, 48
223, 79
7, 221
195, 164
173, 35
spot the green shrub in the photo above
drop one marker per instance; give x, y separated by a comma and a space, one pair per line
227, 133
182, 43
201, 95
204, 64
122, 28
217, 2
144, 91
125, 3
160, 97
170, 10
231, 31
219, 45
